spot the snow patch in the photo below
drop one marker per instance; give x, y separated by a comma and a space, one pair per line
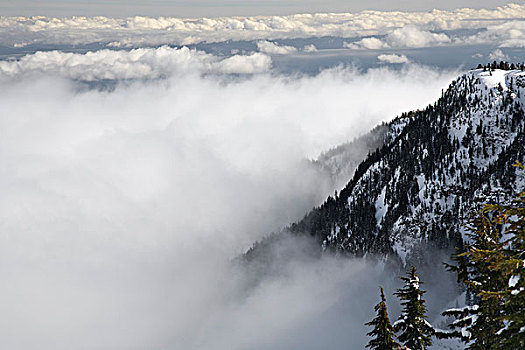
381, 206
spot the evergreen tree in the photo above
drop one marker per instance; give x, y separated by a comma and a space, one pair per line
507, 261
477, 324
383, 331
513, 268
416, 332
493, 270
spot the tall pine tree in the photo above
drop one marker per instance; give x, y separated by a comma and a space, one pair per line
505, 263
383, 332
512, 267
416, 332
478, 323
493, 269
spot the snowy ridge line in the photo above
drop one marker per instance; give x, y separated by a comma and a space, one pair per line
405, 197
133, 31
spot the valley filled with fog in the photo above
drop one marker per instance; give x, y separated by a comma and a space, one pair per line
122, 209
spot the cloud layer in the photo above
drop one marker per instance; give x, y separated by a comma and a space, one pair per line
120, 210
510, 34
137, 31
156, 63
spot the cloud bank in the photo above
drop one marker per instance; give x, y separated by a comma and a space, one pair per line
156, 63
120, 210
406, 37
140, 31
510, 34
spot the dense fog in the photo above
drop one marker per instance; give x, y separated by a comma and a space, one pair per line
122, 208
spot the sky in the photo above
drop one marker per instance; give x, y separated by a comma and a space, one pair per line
214, 8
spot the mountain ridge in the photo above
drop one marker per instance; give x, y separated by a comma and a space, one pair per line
433, 169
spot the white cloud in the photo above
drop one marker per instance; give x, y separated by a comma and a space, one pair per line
135, 31
134, 64
393, 58
410, 36
310, 48
271, 48
498, 55
510, 34
406, 37
367, 43
241, 64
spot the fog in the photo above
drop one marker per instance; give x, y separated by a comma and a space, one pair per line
121, 210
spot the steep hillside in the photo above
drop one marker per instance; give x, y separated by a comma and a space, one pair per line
435, 167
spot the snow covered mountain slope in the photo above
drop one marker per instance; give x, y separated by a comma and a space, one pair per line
434, 169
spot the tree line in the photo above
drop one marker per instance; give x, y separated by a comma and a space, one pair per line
501, 65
